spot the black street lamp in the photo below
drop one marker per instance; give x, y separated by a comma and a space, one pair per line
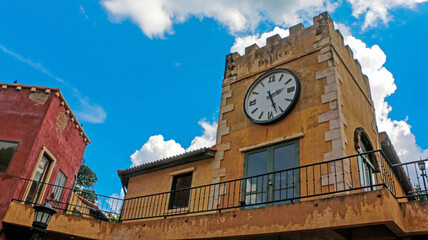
42, 215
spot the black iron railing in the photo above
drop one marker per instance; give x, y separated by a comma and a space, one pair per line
362, 172
413, 176
70, 200
358, 173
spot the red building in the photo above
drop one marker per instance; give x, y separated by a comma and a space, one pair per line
41, 141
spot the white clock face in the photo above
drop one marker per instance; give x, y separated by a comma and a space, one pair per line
272, 96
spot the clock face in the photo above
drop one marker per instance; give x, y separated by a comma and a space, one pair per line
272, 96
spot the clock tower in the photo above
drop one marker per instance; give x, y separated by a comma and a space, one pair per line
303, 98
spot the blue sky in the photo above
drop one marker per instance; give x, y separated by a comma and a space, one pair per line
144, 77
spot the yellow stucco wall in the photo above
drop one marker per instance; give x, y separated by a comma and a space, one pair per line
160, 182
302, 119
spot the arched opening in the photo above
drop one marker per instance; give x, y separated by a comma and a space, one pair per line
367, 163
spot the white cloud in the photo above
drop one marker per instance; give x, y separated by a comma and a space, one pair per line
86, 111
207, 139
83, 12
154, 149
242, 42
382, 84
114, 203
376, 10
157, 148
156, 17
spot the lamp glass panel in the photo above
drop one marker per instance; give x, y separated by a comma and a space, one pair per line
38, 216
49, 219
45, 218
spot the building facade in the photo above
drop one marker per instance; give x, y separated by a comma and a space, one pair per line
41, 145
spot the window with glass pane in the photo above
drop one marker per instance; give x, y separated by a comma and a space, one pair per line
255, 185
366, 169
279, 187
180, 198
37, 180
7, 150
285, 178
57, 190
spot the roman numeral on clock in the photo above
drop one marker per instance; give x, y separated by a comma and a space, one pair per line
270, 115
291, 89
253, 102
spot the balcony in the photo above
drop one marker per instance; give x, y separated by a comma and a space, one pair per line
73, 201
326, 198
358, 173
353, 174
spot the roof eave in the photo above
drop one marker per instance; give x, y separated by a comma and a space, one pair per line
196, 155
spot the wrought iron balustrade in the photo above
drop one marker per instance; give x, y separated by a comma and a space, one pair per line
362, 172
70, 200
415, 179
358, 173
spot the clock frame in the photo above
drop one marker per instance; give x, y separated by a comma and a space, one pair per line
283, 110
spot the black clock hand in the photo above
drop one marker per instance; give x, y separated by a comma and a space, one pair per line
271, 99
276, 93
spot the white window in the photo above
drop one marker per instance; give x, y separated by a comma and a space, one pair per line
366, 169
36, 183
57, 190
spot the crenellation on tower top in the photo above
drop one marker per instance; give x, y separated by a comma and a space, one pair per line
323, 24
273, 40
357, 63
350, 52
279, 49
252, 48
300, 42
296, 29
339, 34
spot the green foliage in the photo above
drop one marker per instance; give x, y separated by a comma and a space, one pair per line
421, 194
85, 183
86, 178
89, 195
113, 216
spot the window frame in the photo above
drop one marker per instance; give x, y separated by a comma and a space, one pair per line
52, 161
174, 190
271, 188
13, 154
367, 164
58, 189
367, 170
